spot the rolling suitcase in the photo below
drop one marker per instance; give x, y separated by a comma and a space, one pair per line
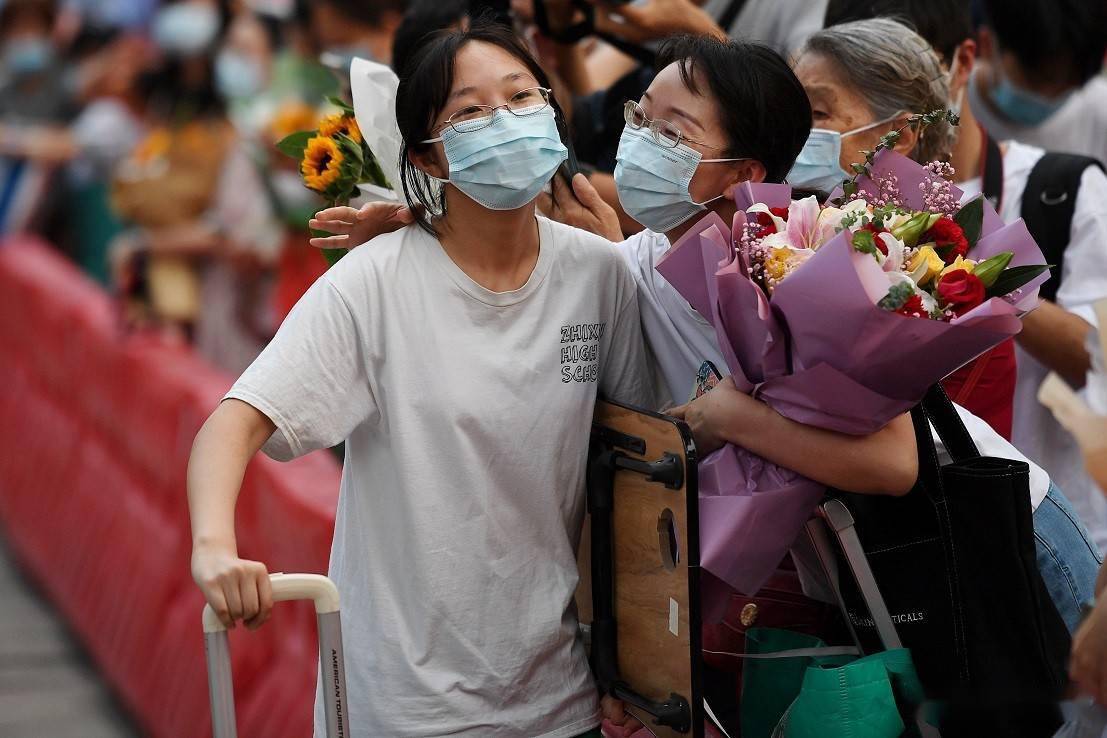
324, 594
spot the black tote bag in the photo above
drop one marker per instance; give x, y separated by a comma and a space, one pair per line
955, 562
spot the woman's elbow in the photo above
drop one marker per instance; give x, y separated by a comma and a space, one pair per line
901, 472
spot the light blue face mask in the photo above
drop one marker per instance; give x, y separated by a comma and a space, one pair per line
503, 166
817, 167
652, 180
28, 56
1019, 105
185, 29
237, 76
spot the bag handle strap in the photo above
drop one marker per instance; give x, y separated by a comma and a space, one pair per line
947, 421
1048, 204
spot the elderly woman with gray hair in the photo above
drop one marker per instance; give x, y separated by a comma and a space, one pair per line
865, 79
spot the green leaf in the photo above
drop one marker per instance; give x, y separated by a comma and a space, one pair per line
989, 270
333, 255
1013, 278
341, 104
971, 220
294, 144
864, 242
898, 294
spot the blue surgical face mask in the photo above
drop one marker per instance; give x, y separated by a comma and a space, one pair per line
237, 76
652, 180
27, 56
1019, 105
503, 166
185, 29
817, 167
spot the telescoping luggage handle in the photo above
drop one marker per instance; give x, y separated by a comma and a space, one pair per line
313, 587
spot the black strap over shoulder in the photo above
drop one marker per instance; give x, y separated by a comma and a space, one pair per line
991, 172
948, 423
1048, 203
937, 409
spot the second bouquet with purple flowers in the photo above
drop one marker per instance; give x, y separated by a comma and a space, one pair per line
840, 316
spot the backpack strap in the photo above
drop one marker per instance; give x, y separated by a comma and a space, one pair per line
1048, 203
991, 171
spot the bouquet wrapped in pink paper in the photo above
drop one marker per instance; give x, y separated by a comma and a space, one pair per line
840, 316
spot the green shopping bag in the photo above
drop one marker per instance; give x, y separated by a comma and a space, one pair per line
794, 685
861, 698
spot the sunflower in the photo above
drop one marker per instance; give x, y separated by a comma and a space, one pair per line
322, 163
344, 124
292, 117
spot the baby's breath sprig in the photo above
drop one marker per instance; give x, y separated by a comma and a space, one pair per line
917, 122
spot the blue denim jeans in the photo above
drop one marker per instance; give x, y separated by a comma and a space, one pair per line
1067, 558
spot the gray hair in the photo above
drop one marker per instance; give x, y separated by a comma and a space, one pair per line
894, 70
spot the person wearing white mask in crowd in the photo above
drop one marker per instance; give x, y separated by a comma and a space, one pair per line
1040, 74
243, 69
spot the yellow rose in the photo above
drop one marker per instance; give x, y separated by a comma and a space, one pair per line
925, 265
959, 263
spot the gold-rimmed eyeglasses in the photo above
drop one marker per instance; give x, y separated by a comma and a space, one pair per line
664, 133
475, 117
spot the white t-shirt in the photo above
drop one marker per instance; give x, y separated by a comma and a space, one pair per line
466, 415
1079, 127
681, 340
1083, 282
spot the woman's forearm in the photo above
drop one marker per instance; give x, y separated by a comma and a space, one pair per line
885, 462
222, 449
1055, 337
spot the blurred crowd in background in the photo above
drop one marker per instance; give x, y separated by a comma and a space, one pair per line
139, 136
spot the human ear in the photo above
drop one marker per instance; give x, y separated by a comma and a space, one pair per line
430, 160
908, 137
750, 170
965, 57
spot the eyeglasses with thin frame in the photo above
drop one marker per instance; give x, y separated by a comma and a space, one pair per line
471, 118
663, 132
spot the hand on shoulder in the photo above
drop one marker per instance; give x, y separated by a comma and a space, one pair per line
355, 226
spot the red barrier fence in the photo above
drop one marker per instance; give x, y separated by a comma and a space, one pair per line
95, 432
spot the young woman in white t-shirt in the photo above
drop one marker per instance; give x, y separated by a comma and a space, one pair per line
460, 359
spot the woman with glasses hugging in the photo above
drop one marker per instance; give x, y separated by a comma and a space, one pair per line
460, 359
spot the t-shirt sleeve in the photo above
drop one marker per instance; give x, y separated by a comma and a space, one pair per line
627, 374
1084, 279
311, 380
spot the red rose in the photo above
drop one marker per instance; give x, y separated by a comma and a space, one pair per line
766, 222
960, 291
781, 213
878, 242
913, 308
949, 239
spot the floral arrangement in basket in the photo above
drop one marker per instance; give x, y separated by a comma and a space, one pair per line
334, 159
841, 316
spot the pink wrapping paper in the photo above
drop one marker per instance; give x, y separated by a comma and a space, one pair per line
822, 353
